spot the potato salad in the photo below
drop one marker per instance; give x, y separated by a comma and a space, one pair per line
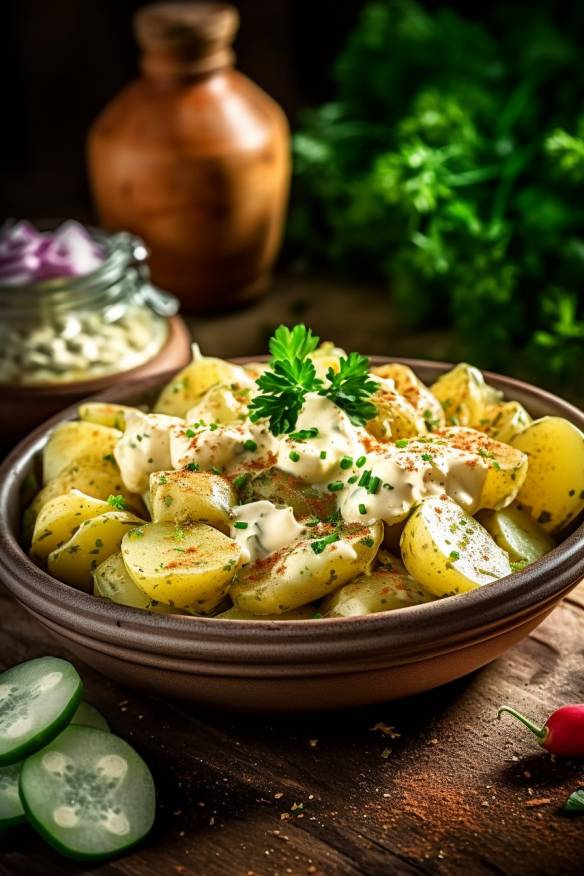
309, 486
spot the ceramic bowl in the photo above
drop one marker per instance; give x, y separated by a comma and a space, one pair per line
289, 666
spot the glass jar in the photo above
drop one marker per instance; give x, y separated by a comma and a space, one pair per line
82, 328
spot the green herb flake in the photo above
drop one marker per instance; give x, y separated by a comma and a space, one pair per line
192, 466
117, 502
240, 481
402, 442
250, 445
323, 454
361, 461
454, 555
336, 486
168, 500
241, 524
346, 462
294, 456
319, 545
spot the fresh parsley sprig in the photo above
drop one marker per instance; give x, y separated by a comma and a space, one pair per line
292, 375
350, 388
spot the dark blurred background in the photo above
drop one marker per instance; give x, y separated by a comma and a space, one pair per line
63, 61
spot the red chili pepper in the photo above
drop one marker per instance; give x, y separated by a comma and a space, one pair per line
562, 733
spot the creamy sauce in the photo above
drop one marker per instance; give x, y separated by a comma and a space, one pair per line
144, 447
260, 529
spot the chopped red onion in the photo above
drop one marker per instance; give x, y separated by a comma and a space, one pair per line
27, 255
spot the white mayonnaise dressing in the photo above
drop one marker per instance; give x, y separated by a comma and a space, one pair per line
144, 447
223, 447
319, 457
268, 529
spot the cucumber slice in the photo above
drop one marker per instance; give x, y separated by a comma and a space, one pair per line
88, 716
37, 700
11, 810
88, 794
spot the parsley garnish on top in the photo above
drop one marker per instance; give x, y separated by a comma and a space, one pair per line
292, 376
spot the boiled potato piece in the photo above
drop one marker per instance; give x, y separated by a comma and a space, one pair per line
69, 442
97, 480
224, 405
306, 570
191, 495
111, 581
464, 395
553, 491
516, 532
507, 466
95, 540
105, 414
447, 551
282, 488
396, 418
414, 391
305, 612
504, 421
327, 356
60, 518
190, 566
387, 587
188, 385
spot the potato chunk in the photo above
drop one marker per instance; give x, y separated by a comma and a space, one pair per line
95, 540
504, 421
111, 581
516, 532
60, 518
553, 491
106, 414
282, 488
188, 495
306, 569
190, 566
507, 466
187, 387
224, 404
395, 418
387, 587
414, 391
91, 478
70, 441
447, 551
464, 395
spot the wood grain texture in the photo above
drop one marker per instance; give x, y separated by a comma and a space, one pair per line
456, 792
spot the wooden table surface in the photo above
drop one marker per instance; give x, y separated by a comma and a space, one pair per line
432, 785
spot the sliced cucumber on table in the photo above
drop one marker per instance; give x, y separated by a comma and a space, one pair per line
88, 794
88, 716
37, 699
11, 809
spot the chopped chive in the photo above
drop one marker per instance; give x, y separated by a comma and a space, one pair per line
373, 485
294, 455
304, 434
336, 486
362, 509
241, 524
365, 478
361, 461
353, 479
323, 454
240, 481
250, 445
454, 555
403, 442
427, 457
192, 466
346, 462
190, 433
320, 545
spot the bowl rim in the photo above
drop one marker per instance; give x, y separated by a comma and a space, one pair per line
406, 632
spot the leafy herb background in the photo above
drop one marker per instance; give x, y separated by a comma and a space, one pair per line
450, 165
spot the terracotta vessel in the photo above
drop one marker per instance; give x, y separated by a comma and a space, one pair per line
289, 666
194, 158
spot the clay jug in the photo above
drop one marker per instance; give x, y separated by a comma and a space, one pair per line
194, 158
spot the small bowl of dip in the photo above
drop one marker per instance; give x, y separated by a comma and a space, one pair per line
77, 313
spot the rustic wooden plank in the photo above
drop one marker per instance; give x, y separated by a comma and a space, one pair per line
457, 791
